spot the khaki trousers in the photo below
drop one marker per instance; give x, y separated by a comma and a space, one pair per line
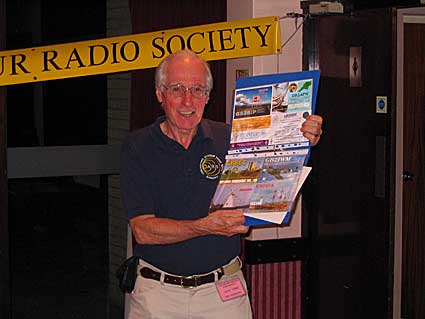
153, 299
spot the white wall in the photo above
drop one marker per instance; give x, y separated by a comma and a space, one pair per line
237, 10
289, 61
291, 58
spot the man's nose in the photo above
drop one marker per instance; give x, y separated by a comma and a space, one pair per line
187, 97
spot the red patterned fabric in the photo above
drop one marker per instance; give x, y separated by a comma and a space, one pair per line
275, 290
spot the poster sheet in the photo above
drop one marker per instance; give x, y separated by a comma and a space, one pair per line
264, 167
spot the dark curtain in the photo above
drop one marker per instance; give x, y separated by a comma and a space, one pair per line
149, 16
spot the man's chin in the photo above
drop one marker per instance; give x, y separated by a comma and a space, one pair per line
189, 124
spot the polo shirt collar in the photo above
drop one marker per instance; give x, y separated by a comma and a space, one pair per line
203, 133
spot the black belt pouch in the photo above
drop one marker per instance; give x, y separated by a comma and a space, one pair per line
127, 274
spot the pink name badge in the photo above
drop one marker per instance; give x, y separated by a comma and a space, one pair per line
230, 289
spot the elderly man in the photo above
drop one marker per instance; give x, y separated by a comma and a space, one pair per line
189, 265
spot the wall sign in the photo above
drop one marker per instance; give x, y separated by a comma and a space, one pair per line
381, 104
355, 65
216, 41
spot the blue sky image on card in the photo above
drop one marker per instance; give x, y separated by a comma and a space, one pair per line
253, 102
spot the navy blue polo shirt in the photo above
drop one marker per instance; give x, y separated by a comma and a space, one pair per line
160, 177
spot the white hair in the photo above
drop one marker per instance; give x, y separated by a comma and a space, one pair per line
160, 74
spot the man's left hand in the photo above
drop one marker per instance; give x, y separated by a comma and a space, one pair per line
312, 128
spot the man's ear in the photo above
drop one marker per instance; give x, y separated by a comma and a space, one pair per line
158, 95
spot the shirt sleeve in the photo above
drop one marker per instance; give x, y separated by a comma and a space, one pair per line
136, 188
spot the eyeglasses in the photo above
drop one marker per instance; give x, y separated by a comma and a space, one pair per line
179, 90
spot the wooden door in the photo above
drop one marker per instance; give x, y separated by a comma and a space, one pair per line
413, 260
349, 198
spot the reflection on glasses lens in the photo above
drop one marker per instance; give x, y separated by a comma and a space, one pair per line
179, 90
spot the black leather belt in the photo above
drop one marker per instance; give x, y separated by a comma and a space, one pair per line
182, 281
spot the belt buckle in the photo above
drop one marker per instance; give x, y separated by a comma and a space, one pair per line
188, 277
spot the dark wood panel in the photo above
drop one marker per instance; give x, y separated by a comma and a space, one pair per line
4, 222
273, 251
413, 279
148, 16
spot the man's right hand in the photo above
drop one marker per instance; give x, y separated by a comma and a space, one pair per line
225, 222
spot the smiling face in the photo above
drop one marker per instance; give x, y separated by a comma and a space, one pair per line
184, 113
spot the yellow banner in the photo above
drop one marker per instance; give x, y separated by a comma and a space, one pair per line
216, 41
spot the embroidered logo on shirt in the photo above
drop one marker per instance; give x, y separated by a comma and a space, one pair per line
211, 166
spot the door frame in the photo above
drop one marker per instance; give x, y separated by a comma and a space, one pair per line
403, 16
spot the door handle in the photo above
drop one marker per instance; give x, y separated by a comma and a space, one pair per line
408, 176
